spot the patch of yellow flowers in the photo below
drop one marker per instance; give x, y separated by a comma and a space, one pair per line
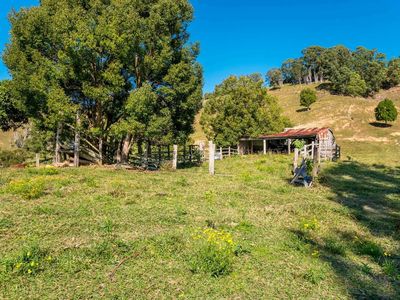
219, 238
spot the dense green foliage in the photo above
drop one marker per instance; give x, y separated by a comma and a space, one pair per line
110, 70
307, 97
386, 111
240, 106
11, 111
362, 72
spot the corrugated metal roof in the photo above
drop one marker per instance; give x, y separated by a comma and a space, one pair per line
297, 133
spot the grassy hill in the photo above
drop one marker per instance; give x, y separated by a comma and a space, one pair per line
352, 120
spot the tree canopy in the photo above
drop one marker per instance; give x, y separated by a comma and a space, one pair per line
307, 97
240, 106
386, 111
113, 70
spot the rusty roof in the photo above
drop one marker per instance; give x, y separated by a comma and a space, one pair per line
297, 133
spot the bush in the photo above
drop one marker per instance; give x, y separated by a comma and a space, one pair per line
307, 97
30, 262
215, 252
299, 144
27, 189
9, 158
386, 111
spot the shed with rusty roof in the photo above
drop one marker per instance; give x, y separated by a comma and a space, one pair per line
283, 142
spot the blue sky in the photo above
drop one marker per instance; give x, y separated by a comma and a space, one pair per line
247, 36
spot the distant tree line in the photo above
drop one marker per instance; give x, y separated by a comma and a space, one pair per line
361, 72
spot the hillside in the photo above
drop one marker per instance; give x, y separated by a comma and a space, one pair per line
352, 120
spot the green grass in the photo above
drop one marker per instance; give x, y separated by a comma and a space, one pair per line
123, 234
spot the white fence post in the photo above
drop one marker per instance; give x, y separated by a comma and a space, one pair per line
265, 147
305, 151
220, 153
175, 157
211, 162
296, 158
37, 158
229, 151
312, 149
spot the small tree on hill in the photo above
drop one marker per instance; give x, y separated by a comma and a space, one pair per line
274, 78
307, 97
386, 111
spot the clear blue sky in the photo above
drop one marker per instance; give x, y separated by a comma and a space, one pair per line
247, 36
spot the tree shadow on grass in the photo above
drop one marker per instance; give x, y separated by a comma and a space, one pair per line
380, 125
371, 193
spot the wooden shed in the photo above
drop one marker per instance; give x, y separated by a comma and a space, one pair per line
282, 142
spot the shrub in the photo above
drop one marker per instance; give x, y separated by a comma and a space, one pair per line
307, 97
299, 144
27, 189
386, 111
30, 261
215, 252
9, 158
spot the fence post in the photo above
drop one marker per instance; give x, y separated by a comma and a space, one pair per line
229, 151
220, 153
175, 157
305, 151
211, 164
265, 147
315, 162
37, 158
201, 149
296, 158
312, 149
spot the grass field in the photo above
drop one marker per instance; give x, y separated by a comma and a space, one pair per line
113, 234
338, 240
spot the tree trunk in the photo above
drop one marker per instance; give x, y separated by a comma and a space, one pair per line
126, 148
77, 139
315, 76
101, 151
57, 158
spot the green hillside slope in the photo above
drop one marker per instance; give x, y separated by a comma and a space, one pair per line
352, 120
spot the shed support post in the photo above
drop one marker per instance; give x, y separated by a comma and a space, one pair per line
211, 163
288, 146
175, 157
265, 147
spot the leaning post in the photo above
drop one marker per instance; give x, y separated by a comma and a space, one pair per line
175, 157
211, 162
